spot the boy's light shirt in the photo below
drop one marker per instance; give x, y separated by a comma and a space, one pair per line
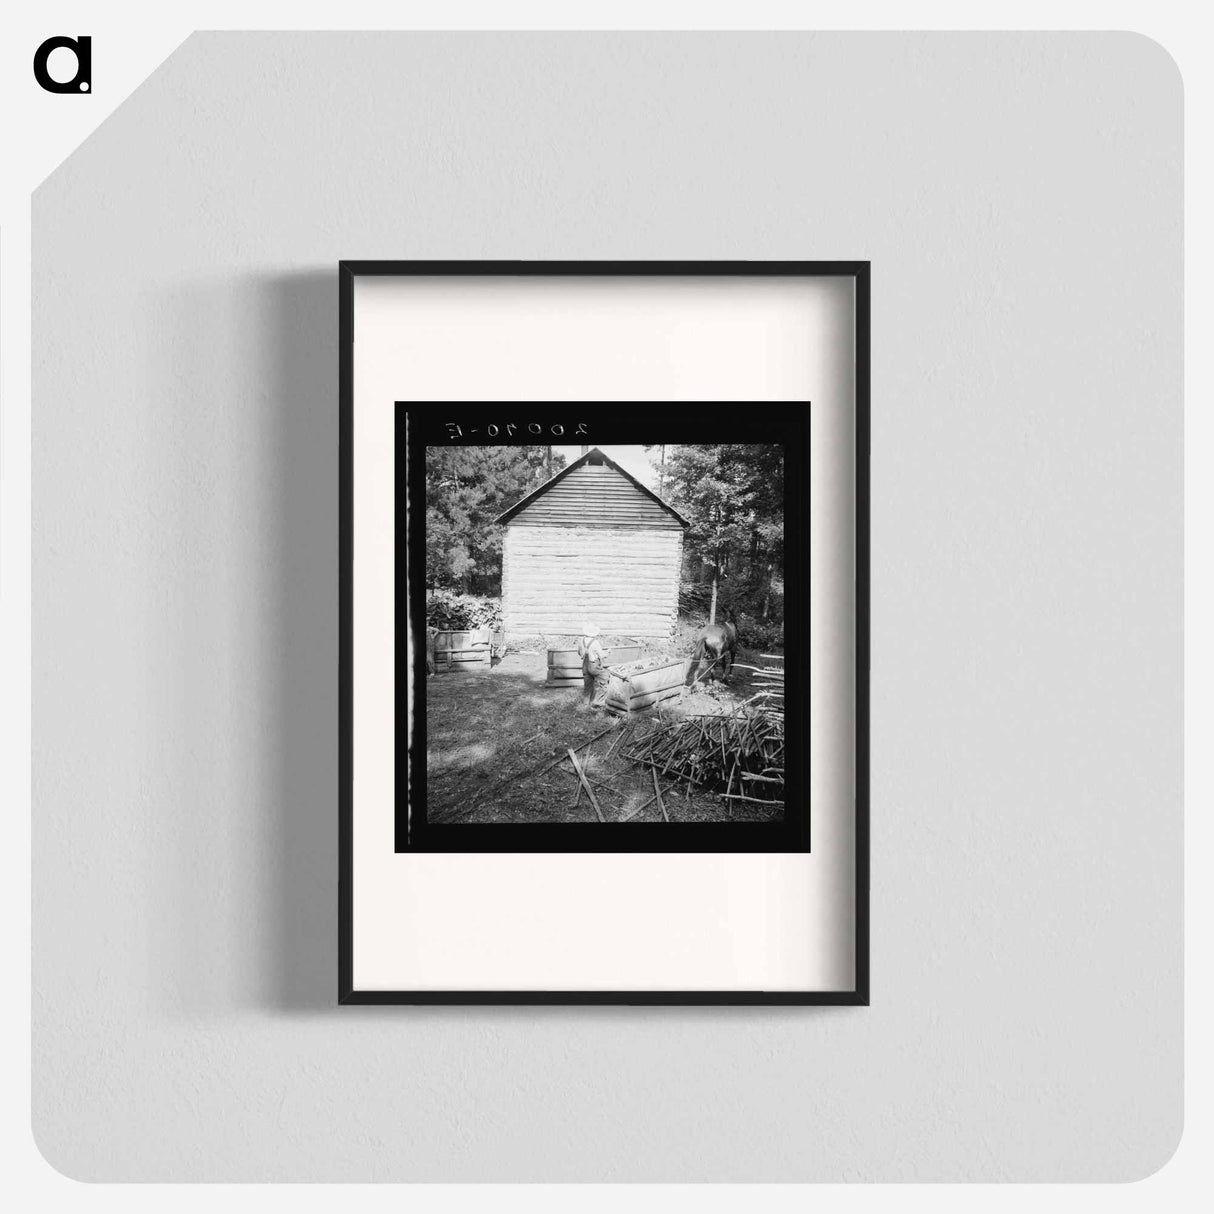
594, 647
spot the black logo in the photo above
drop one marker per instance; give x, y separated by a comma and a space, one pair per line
82, 48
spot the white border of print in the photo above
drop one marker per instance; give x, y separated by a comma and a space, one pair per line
588, 921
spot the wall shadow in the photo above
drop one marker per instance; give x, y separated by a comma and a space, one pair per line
297, 428
301, 945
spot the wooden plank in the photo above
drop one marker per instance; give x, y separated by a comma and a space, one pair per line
606, 517
603, 565
573, 548
614, 656
632, 813
560, 759
540, 578
590, 490
670, 674
586, 785
650, 698
597, 783
538, 770
532, 527
657, 792
620, 735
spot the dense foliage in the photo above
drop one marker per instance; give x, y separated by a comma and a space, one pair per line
448, 610
732, 494
466, 489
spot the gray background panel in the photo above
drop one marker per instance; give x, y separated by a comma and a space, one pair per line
1020, 199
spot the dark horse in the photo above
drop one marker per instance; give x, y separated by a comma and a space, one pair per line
718, 645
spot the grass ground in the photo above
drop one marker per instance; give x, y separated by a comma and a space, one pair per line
489, 733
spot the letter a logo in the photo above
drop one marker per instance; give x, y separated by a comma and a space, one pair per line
82, 81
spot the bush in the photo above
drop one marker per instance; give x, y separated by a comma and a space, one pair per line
753, 631
735, 603
694, 598
449, 610
756, 633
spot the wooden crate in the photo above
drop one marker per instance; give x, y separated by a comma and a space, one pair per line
467, 650
640, 689
565, 667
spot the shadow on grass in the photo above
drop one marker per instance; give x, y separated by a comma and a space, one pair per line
490, 735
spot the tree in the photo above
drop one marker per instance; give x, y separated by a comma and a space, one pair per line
732, 494
466, 489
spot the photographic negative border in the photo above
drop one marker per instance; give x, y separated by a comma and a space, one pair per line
859, 271
785, 424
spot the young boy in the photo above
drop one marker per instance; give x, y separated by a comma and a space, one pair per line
594, 677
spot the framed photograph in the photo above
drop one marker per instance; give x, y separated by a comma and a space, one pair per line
604, 632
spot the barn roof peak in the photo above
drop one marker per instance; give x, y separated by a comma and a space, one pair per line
593, 456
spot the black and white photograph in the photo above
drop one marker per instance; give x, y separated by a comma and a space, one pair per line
600, 630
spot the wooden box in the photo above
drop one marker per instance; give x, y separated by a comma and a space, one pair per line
565, 667
467, 650
639, 689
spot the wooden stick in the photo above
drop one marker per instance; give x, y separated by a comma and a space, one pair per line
560, 759
589, 790
702, 673
527, 773
593, 779
619, 738
657, 792
632, 813
726, 796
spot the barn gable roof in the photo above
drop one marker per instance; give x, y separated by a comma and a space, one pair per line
592, 457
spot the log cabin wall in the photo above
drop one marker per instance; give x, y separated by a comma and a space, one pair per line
592, 546
626, 580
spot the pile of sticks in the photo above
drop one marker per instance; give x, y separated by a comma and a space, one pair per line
585, 781
770, 681
741, 752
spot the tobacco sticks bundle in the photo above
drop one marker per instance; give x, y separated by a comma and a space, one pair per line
717, 751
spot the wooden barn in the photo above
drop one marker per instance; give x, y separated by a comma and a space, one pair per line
592, 544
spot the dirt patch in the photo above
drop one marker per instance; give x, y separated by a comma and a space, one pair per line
492, 732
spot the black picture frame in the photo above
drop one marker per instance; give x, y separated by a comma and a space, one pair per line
348, 273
